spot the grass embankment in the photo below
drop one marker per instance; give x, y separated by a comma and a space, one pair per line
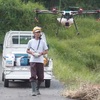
77, 57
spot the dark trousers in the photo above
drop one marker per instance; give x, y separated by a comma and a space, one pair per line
37, 71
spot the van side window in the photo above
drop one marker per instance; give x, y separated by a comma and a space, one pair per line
15, 39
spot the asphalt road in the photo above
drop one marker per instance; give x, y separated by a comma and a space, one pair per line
22, 91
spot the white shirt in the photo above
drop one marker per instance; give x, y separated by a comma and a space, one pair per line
37, 46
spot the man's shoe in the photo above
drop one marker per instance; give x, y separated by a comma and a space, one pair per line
34, 94
38, 92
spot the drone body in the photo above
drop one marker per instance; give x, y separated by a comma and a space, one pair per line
65, 22
67, 17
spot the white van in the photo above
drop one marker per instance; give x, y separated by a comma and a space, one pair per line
15, 60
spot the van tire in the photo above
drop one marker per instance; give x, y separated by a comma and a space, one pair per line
6, 83
47, 83
2, 76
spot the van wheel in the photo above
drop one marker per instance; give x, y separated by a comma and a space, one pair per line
6, 83
47, 83
2, 76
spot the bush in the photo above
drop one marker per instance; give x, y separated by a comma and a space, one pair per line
16, 15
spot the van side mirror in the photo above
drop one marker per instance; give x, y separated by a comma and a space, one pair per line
48, 46
1, 46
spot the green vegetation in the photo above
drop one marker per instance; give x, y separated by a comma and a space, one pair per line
76, 57
15, 15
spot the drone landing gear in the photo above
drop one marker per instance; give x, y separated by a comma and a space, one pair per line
76, 27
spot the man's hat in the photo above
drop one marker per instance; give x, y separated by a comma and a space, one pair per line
37, 29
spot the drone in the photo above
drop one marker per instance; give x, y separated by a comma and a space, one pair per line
67, 17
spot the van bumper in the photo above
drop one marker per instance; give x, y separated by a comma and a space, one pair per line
24, 75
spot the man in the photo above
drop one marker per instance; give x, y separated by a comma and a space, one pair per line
36, 48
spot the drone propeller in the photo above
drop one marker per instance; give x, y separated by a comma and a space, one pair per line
38, 11
91, 12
